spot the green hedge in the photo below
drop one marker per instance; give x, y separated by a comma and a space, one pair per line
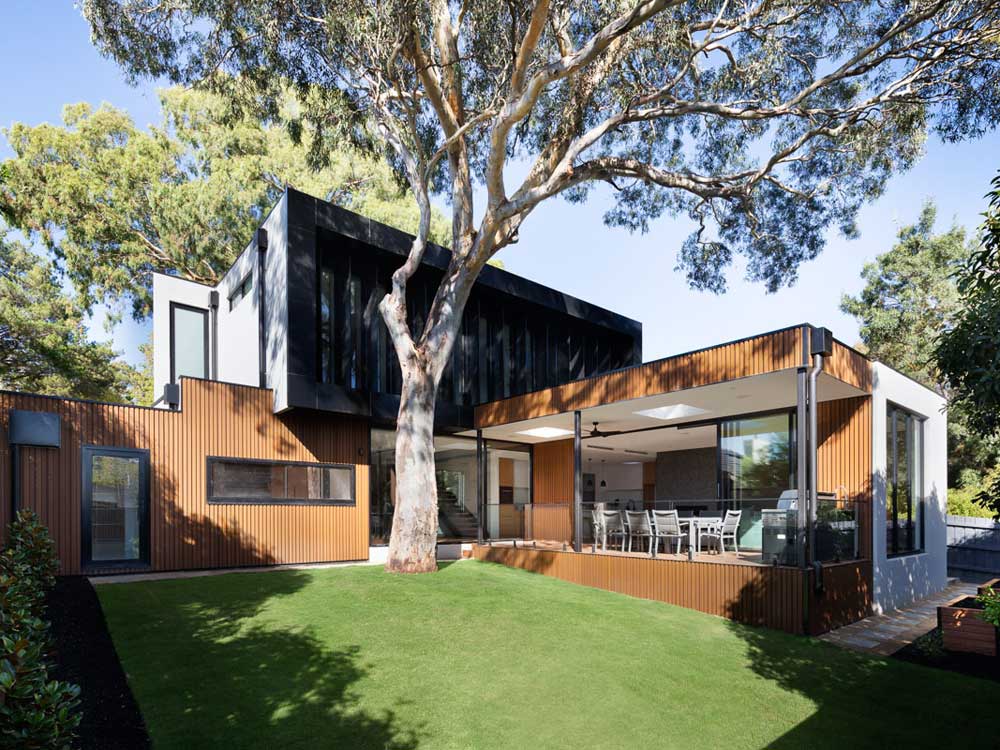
35, 712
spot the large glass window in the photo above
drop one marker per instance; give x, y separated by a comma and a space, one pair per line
233, 480
457, 473
115, 505
188, 342
756, 464
904, 482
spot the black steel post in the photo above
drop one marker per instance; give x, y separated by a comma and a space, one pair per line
577, 485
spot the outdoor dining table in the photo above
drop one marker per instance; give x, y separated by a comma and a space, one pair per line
695, 524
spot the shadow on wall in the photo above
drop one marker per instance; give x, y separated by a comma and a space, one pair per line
898, 581
228, 681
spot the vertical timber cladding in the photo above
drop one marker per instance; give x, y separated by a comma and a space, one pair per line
552, 491
217, 419
758, 355
753, 356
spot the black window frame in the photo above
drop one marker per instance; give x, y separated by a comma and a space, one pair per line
241, 291
892, 486
87, 453
209, 460
173, 359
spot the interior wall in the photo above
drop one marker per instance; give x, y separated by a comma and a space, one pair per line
686, 475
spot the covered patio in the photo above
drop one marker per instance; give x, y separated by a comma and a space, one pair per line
754, 454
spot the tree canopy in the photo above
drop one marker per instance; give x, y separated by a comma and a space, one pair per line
44, 346
968, 351
114, 202
909, 298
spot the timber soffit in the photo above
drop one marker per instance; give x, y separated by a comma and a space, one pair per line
845, 364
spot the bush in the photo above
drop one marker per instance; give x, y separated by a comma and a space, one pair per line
35, 712
963, 502
990, 599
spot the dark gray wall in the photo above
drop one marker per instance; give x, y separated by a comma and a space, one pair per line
686, 475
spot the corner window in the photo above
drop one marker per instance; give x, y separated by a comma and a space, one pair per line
249, 481
188, 342
904, 491
242, 290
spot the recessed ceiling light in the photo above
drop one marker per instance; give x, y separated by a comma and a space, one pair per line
546, 432
675, 411
629, 463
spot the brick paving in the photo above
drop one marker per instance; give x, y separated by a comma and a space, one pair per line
885, 634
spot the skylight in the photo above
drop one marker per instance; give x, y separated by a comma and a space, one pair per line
546, 432
674, 411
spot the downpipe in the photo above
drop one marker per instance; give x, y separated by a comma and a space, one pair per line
817, 368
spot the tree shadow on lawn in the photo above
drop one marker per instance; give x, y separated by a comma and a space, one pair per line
868, 701
205, 677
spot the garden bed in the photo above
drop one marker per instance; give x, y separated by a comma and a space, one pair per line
963, 628
993, 584
84, 654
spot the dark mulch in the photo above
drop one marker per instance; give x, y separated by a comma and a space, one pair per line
85, 655
927, 650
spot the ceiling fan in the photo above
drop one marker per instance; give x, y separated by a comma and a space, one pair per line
596, 433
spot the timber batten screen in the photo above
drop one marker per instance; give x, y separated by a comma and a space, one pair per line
758, 355
185, 531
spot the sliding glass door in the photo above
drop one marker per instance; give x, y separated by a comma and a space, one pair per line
115, 506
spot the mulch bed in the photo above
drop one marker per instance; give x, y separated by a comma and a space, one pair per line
927, 650
85, 655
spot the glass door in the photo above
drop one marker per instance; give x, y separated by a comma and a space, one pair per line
115, 506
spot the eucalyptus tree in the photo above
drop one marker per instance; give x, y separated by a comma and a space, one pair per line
766, 122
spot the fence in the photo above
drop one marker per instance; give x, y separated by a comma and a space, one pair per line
973, 544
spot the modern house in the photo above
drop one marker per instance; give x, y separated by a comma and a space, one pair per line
272, 441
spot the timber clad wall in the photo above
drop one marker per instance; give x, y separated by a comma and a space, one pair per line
754, 595
552, 491
217, 419
759, 355
844, 458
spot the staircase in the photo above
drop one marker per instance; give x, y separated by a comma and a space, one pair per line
454, 522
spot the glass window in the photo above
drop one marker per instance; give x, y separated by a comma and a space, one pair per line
115, 505
904, 482
756, 456
756, 464
457, 473
188, 342
252, 481
242, 290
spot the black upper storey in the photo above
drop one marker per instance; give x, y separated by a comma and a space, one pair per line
516, 335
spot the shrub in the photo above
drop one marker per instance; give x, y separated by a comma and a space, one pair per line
990, 599
35, 712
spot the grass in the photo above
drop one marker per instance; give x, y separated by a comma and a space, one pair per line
481, 656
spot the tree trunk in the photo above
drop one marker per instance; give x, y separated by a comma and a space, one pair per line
413, 542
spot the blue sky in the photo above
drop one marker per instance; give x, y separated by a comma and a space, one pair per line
566, 246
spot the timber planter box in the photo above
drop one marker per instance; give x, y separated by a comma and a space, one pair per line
991, 584
964, 629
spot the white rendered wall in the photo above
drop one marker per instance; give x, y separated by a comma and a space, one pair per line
900, 580
167, 289
238, 329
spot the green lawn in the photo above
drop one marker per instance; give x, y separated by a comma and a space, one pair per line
481, 656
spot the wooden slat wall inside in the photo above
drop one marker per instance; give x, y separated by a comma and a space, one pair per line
185, 531
844, 458
754, 595
551, 512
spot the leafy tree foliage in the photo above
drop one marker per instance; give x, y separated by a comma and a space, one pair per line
910, 297
44, 346
768, 123
114, 202
968, 352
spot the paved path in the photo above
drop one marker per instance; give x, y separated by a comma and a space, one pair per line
887, 633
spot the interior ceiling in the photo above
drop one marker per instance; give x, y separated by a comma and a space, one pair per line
773, 391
